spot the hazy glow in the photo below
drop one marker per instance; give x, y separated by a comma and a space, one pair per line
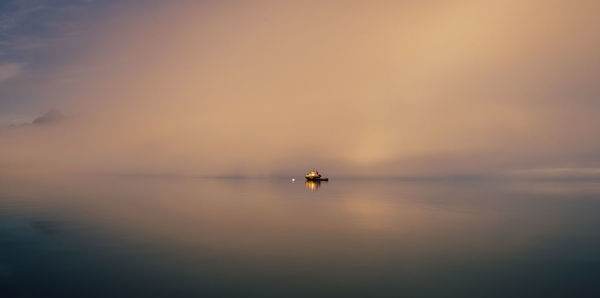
354, 87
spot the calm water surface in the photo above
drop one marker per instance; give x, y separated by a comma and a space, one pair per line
184, 237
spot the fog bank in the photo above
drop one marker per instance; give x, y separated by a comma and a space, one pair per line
384, 88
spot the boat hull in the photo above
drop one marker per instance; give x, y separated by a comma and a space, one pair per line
317, 179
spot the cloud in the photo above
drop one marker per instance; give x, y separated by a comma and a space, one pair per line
377, 89
27, 28
557, 173
49, 117
10, 70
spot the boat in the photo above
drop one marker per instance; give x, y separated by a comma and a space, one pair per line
314, 175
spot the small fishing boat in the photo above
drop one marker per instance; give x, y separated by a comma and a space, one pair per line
315, 176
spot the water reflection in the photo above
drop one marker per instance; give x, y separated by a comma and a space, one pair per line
314, 185
172, 237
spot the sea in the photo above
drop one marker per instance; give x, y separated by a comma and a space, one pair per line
169, 236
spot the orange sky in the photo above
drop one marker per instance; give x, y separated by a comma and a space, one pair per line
401, 88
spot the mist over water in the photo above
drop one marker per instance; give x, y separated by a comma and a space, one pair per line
148, 148
261, 88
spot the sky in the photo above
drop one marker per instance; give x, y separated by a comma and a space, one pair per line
354, 88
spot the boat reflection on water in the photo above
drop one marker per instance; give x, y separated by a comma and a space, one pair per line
314, 185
